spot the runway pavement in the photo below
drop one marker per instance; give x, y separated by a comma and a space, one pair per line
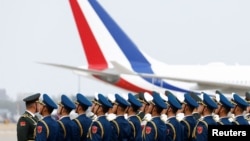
8, 132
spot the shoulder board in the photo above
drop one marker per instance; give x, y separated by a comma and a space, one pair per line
29, 117
25, 115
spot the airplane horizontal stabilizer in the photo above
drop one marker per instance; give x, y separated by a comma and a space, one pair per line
90, 71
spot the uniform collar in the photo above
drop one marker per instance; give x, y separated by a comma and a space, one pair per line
33, 115
63, 117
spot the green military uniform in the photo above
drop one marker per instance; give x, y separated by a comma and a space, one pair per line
26, 125
247, 98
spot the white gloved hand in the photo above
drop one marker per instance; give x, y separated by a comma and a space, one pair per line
231, 117
110, 116
164, 117
147, 117
126, 116
216, 117
180, 116
92, 116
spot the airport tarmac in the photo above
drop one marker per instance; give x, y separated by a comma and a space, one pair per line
8, 132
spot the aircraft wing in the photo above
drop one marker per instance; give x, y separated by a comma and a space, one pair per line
120, 69
201, 83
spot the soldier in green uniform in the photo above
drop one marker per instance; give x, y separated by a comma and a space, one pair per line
247, 98
26, 125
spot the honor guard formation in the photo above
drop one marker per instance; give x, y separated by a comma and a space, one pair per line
132, 117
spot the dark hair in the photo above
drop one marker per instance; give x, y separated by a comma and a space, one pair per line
105, 109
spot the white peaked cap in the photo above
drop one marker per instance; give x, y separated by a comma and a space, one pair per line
164, 97
201, 96
111, 97
148, 97
217, 97
233, 93
96, 95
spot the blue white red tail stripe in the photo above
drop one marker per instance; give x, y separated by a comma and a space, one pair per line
91, 47
103, 41
137, 60
84, 15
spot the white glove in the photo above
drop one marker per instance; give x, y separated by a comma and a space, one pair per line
164, 117
147, 117
216, 117
92, 116
180, 116
126, 116
231, 117
110, 116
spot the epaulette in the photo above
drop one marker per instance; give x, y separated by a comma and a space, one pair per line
26, 115
29, 117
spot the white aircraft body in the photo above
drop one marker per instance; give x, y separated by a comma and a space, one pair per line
114, 58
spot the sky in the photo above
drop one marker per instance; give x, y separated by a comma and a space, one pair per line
176, 32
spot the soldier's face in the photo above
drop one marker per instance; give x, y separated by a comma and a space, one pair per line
114, 108
164, 111
200, 108
59, 111
38, 107
41, 109
181, 110
95, 108
248, 109
92, 108
218, 109
77, 108
143, 107
148, 108
184, 108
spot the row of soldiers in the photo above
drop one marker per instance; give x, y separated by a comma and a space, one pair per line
144, 116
